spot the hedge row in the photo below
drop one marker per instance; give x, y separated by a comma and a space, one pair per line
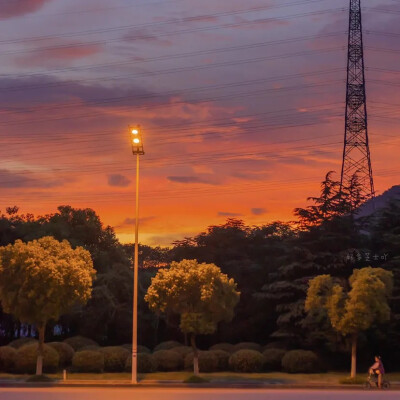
23, 360
85, 355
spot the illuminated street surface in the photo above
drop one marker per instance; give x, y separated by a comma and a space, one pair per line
192, 394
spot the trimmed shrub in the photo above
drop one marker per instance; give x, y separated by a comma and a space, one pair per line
170, 344
305, 361
222, 358
168, 360
90, 348
246, 361
183, 351
146, 363
65, 352
7, 358
26, 357
273, 359
18, 343
140, 348
228, 347
88, 361
78, 342
275, 345
114, 358
247, 346
208, 362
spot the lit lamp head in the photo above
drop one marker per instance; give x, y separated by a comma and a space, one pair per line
136, 140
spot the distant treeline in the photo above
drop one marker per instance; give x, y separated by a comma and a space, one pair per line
272, 265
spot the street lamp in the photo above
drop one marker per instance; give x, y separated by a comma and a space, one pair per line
137, 150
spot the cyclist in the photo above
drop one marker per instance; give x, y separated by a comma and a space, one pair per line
378, 369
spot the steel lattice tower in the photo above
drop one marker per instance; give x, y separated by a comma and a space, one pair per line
356, 153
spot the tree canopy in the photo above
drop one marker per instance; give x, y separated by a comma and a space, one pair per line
356, 310
199, 293
43, 279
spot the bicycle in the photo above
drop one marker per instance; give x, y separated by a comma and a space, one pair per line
372, 379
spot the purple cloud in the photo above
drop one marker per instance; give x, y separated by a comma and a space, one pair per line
258, 211
26, 179
191, 179
131, 222
228, 214
118, 180
16, 8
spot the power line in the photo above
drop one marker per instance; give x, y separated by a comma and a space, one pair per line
173, 21
174, 70
153, 106
281, 122
172, 33
177, 56
113, 100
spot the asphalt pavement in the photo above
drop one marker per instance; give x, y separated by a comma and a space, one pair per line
163, 393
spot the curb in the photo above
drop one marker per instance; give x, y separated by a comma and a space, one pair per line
181, 385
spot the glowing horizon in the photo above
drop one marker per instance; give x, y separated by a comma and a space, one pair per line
241, 108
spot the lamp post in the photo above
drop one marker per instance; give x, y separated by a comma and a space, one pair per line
137, 150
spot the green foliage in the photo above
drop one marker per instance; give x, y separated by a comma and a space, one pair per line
65, 352
183, 350
146, 363
7, 358
273, 359
334, 202
194, 379
365, 304
271, 264
275, 345
17, 343
168, 360
228, 347
88, 361
40, 379
208, 361
247, 346
43, 279
246, 361
90, 348
79, 342
114, 358
358, 380
300, 361
140, 348
168, 345
199, 293
25, 361
108, 313
222, 359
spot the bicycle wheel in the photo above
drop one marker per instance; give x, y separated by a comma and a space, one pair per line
386, 385
367, 385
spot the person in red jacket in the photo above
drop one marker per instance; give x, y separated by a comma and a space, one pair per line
378, 369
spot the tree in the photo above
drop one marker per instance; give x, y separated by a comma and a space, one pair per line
41, 280
199, 293
356, 310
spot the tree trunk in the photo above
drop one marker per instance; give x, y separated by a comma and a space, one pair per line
195, 354
39, 361
353, 355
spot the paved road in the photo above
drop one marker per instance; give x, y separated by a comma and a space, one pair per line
189, 394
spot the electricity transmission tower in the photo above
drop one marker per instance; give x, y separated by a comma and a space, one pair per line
356, 153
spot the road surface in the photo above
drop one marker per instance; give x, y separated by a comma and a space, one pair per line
192, 394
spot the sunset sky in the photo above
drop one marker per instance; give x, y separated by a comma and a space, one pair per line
241, 104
